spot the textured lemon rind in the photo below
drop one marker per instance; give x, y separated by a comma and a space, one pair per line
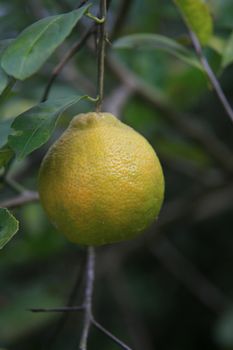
101, 182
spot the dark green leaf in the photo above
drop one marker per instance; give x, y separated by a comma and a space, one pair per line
8, 226
3, 76
5, 155
5, 129
37, 42
222, 12
3, 80
217, 43
34, 127
197, 15
227, 57
155, 41
5, 152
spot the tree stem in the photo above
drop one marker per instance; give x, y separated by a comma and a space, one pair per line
57, 70
90, 276
101, 54
21, 199
110, 335
212, 78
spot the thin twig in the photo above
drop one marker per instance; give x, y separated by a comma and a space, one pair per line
214, 81
101, 54
57, 70
14, 185
192, 128
24, 198
214, 147
110, 335
90, 268
58, 309
90, 276
86, 307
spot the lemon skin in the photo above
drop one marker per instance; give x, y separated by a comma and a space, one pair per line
101, 182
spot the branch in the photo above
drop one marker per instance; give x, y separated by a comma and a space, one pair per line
14, 185
24, 198
86, 307
110, 335
90, 276
57, 70
212, 78
90, 268
101, 54
215, 148
58, 309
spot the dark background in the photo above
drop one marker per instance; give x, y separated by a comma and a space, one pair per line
172, 288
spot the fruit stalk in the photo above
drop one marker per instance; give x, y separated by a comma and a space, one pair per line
101, 54
90, 269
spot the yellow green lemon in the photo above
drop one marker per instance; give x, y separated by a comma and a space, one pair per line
101, 182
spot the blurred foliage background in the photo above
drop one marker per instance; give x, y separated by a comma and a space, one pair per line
171, 288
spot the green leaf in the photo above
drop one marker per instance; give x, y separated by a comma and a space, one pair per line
155, 41
3, 76
5, 152
37, 42
5, 129
34, 127
3, 80
217, 43
227, 57
196, 14
5, 155
8, 226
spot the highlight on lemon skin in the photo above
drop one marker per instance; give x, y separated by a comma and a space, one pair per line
101, 182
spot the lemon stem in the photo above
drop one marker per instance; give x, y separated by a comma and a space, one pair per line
90, 277
94, 18
101, 54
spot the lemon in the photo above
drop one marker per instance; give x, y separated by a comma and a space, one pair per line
101, 182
